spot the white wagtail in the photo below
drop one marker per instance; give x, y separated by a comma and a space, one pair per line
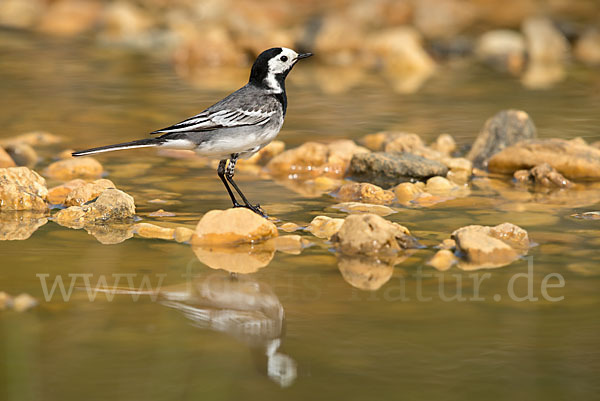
236, 127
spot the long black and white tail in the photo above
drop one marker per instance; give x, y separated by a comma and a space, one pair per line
142, 143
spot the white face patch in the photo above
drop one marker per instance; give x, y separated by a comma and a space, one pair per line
278, 65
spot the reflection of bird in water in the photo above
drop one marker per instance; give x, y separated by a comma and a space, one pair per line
241, 307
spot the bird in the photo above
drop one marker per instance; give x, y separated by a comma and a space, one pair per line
234, 128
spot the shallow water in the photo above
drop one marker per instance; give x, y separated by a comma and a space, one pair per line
220, 337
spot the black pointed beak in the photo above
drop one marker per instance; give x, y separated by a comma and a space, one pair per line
304, 55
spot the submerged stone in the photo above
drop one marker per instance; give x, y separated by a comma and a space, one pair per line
571, 159
389, 169
544, 175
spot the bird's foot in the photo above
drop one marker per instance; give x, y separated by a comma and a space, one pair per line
255, 208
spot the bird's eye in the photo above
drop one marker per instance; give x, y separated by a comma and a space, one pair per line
283, 58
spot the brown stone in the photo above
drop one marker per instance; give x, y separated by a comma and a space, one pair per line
365, 192
233, 226
444, 144
488, 247
69, 169
23, 154
499, 132
587, 48
313, 159
574, 161
291, 244
85, 193
544, 175
370, 234
289, 227
324, 226
5, 159
503, 50
35, 138
58, 194
22, 189
146, 230
358, 207
112, 205
442, 260
183, 234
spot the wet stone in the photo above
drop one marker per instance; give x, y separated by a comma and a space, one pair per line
161, 213
358, 207
543, 175
502, 130
233, 226
183, 234
370, 234
5, 159
146, 230
35, 138
324, 226
23, 154
365, 192
587, 216
58, 194
502, 49
85, 193
389, 169
289, 227
111, 205
442, 260
69, 169
22, 189
313, 159
573, 160
490, 247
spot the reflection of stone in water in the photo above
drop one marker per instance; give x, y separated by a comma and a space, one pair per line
239, 259
110, 234
366, 272
241, 307
20, 225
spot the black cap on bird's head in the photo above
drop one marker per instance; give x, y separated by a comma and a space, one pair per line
272, 66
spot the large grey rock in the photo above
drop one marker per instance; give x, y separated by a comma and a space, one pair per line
389, 169
504, 129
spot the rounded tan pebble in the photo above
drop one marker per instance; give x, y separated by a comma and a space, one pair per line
183, 234
406, 192
147, 230
438, 185
58, 194
444, 143
442, 260
84, 167
324, 226
458, 177
231, 226
289, 227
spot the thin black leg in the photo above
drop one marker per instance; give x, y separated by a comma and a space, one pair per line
229, 172
221, 173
